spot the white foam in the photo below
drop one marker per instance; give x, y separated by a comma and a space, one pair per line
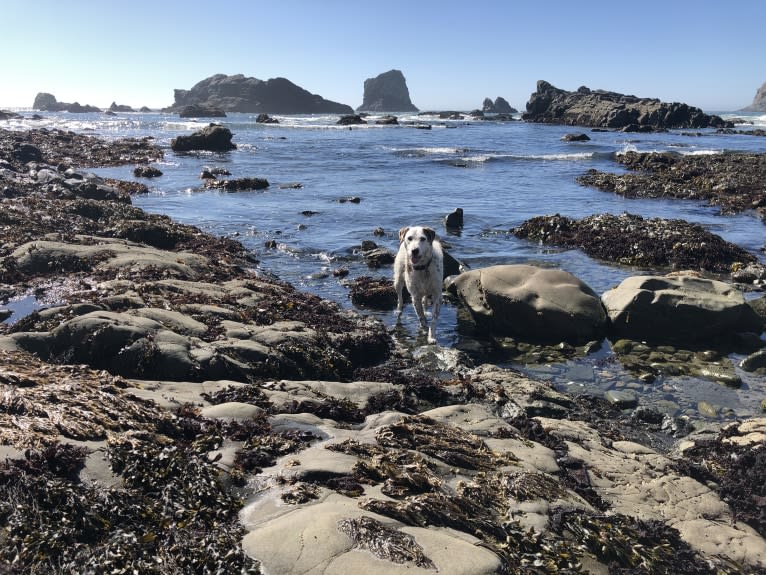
701, 152
575, 156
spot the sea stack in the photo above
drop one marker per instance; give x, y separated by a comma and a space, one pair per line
386, 93
239, 93
759, 102
603, 109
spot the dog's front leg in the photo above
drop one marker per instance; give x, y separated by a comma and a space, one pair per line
419, 305
434, 318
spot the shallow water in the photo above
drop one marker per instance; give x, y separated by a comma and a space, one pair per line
499, 173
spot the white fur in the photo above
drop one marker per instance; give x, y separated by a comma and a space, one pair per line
419, 248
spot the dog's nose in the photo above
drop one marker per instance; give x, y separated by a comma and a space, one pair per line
415, 251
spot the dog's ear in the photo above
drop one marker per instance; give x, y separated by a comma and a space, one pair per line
402, 233
430, 234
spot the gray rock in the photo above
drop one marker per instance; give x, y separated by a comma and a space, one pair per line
623, 398
759, 101
678, 309
532, 303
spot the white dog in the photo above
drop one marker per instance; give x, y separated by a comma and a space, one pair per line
419, 265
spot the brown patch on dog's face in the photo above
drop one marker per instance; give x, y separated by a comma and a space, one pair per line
402, 233
430, 234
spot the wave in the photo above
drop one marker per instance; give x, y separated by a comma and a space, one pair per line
428, 151
745, 120
699, 152
481, 159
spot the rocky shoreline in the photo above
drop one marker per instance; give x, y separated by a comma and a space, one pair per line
171, 409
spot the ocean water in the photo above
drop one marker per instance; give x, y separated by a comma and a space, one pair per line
499, 173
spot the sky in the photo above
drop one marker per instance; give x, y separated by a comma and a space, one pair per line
704, 53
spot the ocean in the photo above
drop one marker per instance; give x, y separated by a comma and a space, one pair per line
499, 173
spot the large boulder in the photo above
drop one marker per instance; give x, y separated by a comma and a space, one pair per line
386, 93
759, 102
532, 303
684, 309
602, 109
238, 93
214, 138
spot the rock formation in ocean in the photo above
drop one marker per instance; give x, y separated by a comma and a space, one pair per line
386, 93
499, 106
47, 103
759, 102
115, 107
239, 93
599, 108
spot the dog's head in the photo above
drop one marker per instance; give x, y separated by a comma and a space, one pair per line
418, 242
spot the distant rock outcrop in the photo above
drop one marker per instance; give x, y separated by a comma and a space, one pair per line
759, 102
386, 93
238, 93
602, 109
47, 103
115, 107
499, 106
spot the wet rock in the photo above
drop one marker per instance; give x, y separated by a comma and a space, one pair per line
388, 120
375, 293
575, 138
682, 309
753, 273
265, 119
622, 398
532, 303
214, 138
237, 185
376, 257
147, 172
350, 120
755, 362
454, 219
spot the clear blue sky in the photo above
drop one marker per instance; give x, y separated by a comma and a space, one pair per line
705, 53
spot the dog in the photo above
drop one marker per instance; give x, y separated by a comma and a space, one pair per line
419, 265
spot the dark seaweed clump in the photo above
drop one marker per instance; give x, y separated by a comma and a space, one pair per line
629, 239
171, 513
404, 462
735, 471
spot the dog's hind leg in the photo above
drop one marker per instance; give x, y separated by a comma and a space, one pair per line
399, 287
